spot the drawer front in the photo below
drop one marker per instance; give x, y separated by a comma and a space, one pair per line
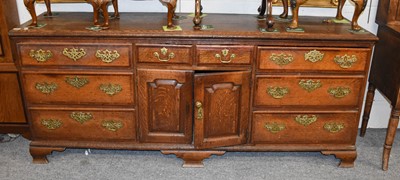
83, 124
224, 55
311, 59
75, 54
304, 127
307, 90
164, 54
111, 89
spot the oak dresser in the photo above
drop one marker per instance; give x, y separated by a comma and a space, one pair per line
192, 93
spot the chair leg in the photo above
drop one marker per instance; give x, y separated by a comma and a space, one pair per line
367, 108
391, 133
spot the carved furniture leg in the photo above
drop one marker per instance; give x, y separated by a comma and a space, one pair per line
30, 5
360, 6
39, 153
391, 133
339, 15
193, 159
347, 158
171, 13
285, 4
116, 11
48, 7
367, 108
261, 9
197, 15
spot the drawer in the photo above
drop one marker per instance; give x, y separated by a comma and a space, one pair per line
83, 124
312, 59
304, 127
292, 90
164, 54
224, 55
79, 88
75, 54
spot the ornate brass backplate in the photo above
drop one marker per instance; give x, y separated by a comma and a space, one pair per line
74, 53
200, 113
164, 52
51, 124
274, 127
76, 81
277, 92
345, 61
41, 55
333, 127
339, 92
111, 89
107, 56
46, 88
314, 56
81, 117
225, 58
112, 125
281, 59
305, 120
310, 85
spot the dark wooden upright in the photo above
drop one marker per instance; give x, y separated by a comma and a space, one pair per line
12, 117
384, 70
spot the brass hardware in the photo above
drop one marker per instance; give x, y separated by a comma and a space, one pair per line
339, 92
46, 88
74, 54
281, 59
41, 55
76, 81
277, 92
107, 56
345, 61
112, 125
51, 123
111, 89
274, 127
333, 127
200, 113
305, 120
314, 56
164, 52
81, 117
224, 59
310, 85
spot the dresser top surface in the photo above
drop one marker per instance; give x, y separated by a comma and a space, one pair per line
225, 26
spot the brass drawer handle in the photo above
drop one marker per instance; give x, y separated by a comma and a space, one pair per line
275, 127
200, 113
345, 61
305, 120
46, 88
314, 56
224, 58
281, 59
112, 125
51, 124
81, 117
76, 81
164, 52
310, 85
339, 92
111, 89
333, 127
277, 92
41, 55
74, 53
107, 56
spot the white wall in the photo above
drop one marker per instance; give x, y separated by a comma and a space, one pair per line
381, 109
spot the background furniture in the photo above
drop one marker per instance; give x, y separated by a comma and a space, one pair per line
385, 65
193, 93
12, 117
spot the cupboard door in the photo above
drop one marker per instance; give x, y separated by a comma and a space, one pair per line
165, 106
221, 109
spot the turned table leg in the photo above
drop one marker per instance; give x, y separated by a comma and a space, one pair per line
39, 154
360, 6
391, 133
367, 109
347, 158
193, 159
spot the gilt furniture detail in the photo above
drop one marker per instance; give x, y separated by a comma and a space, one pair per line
339, 92
333, 127
164, 57
74, 53
306, 120
275, 127
77, 81
200, 112
314, 56
81, 117
345, 61
46, 88
225, 58
111, 89
41, 55
277, 92
107, 56
112, 125
310, 85
51, 124
281, 59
